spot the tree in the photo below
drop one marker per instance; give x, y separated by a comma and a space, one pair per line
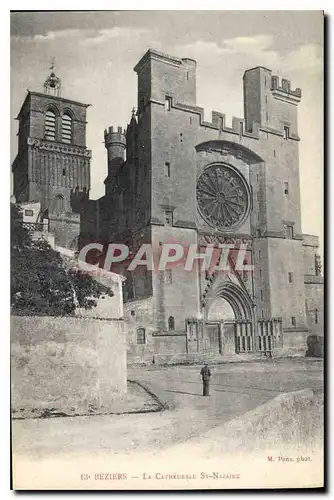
86, 288
40, 281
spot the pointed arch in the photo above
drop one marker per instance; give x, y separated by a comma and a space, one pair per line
233, 148
238, 299
59, 204
171, 323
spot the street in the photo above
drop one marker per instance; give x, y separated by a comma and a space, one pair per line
235, 389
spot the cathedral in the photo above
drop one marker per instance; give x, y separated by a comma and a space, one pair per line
174, 177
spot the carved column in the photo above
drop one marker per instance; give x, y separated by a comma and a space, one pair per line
242, 336
250, 336
237, 336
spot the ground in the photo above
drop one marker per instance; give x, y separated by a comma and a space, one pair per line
136, 400
235, 389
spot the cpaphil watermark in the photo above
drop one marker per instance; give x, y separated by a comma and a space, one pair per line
221, 258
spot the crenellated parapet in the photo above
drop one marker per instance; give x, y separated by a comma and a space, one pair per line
115, 142
238, 127
173, 85
113, 135
284, 87
218, 120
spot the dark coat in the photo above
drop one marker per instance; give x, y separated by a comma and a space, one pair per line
205, 372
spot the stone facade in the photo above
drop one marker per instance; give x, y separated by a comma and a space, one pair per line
153, 195
174, 177
52, 162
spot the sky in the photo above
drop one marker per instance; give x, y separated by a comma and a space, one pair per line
95, 53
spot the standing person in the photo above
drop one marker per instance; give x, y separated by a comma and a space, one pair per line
206, 374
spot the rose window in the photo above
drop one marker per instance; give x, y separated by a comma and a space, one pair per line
222, 197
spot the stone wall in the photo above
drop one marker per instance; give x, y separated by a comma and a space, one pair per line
287, 299
314, 294
139, 312
37, 103
66, 229
108, 308
67, 362
314, 286
294, 343
169, 348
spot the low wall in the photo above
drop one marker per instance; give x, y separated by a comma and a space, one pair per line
106, 307
294, 343
157, 349
67, 362
289, 421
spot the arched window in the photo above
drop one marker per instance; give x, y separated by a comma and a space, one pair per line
59, 204
50, 125
66, 129
171, 323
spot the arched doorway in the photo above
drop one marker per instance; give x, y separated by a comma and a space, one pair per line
229, 321
220, 310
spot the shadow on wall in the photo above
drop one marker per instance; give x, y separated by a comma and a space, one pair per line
315, 346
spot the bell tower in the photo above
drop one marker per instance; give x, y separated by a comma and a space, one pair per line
52, 158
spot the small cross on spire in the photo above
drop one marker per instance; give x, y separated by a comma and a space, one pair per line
133, 112
52, 65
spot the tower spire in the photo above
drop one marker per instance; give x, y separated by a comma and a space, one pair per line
52, 84
53, 64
